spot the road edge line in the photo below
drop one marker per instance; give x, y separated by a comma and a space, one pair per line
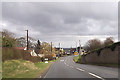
96, 76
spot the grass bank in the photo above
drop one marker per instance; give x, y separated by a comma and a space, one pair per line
0, 70
77, 59
23, 69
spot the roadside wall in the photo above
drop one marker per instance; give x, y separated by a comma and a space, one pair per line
106, 56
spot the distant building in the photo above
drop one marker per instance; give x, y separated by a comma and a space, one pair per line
67, 51
31, 51
20, 48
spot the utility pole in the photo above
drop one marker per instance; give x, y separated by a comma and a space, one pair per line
51, 47
59, 49
27, 40
76, 46
80, 48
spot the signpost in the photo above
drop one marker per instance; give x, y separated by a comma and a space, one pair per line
76, 53
54, 55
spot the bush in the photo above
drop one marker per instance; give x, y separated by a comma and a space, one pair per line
42, 59
99, 51
113, 46
49, 56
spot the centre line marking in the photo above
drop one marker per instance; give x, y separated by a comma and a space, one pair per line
96, 76
80, 69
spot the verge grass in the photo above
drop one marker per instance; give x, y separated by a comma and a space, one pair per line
77, 59
23, 69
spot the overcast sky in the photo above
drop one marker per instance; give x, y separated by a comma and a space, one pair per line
64, 22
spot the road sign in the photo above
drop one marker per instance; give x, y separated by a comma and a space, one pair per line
75, 53
54, 55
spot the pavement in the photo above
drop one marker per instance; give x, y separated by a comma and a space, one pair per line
67, 68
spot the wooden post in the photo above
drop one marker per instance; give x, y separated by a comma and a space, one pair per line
27, 41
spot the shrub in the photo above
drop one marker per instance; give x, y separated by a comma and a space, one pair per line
49, 56
99, 51
42, 59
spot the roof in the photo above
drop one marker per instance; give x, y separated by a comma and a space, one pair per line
20, 48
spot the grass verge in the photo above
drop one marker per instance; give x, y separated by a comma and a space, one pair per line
0, 70
77, 59
23, 69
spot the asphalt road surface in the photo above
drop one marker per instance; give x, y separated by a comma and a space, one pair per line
67, 68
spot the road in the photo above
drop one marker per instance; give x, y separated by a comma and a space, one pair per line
67, 68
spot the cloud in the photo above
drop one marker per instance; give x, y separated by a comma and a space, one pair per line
46, 20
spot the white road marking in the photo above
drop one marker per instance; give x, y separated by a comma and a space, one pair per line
67, 65
96, 76
80, 69
61, 60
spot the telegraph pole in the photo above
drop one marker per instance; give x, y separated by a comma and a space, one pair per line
27, 40
80, 48
59, 49
76, 46
51, 47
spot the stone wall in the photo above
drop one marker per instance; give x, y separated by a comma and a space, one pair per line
106, 56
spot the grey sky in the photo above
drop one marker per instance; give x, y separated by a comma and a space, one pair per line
64, 22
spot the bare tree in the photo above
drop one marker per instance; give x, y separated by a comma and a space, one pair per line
6, 33
93, 44
109, 40
21, 42
46, 47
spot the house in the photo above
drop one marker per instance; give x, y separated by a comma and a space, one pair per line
20, 48
31, 51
